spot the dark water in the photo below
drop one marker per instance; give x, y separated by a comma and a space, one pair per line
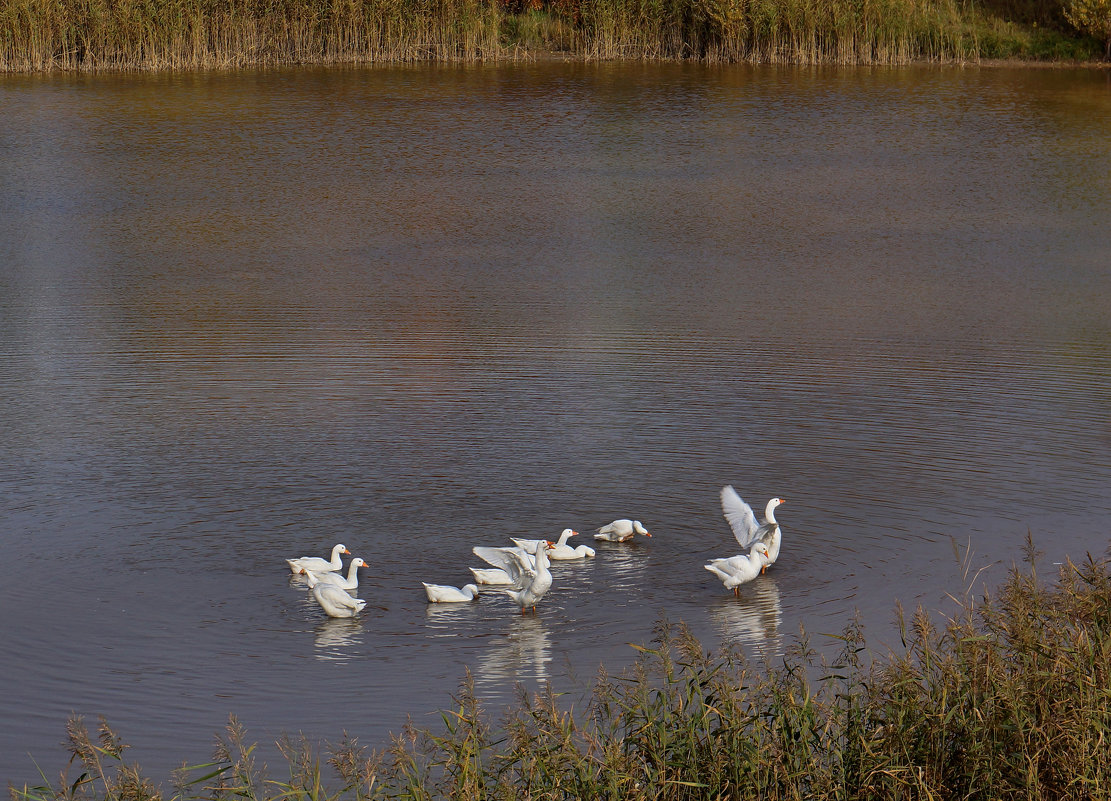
245, 316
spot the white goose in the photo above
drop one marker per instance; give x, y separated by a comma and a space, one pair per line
530, 580
560, 550
335, 601
443, 594
566, 552
621, 530
349, 583
738, 570
530, 546
490, 575
745, 528
315, 564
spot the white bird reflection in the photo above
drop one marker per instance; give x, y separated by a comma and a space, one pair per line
521, 654
337, 638
625, 566
754, 619
444, 619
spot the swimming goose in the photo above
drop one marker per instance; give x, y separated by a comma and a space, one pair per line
745, 528
738, 570
621, 530
566, 552
530, 546
442, 594
530, 580
335, 601
490, 575
349, 583
315, 564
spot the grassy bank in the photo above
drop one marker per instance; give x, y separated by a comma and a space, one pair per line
190, 34
1009, 698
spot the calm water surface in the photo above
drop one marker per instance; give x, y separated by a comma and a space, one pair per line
245, 316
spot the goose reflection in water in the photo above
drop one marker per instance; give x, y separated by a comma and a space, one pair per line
521, 654
754, 619
336, 638
444, 619
624, 565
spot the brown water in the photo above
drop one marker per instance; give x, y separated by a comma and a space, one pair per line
246, 315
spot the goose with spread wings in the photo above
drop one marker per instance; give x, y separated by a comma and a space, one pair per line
748, 532
529, 578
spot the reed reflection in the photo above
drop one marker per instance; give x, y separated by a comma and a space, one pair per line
522, 654
754, 619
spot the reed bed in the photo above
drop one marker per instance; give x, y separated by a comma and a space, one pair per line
791, 31
1009, 698
40, 35
193, 34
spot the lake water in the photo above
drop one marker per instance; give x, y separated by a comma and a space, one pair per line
244, 316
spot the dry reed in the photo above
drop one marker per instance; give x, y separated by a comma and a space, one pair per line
192, 34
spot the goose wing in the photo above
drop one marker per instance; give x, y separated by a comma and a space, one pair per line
740, 517
513, 561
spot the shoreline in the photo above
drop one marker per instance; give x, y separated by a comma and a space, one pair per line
555, 57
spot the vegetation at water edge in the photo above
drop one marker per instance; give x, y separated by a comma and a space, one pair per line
1010, 697
190, 34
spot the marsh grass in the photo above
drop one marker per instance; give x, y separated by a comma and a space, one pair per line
188, 34
1010, 697
191, 34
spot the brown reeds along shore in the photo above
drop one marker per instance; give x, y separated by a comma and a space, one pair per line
44, 35
1007, 698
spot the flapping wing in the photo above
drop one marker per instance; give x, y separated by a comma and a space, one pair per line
513, 561
740, 517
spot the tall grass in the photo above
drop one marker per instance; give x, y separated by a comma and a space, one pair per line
186, 34
190, 34
796, 31
1008, 698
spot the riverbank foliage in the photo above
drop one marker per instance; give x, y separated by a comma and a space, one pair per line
1008, 698
38, 35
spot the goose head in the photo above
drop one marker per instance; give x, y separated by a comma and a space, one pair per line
639, 528
565, 535
542, 554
